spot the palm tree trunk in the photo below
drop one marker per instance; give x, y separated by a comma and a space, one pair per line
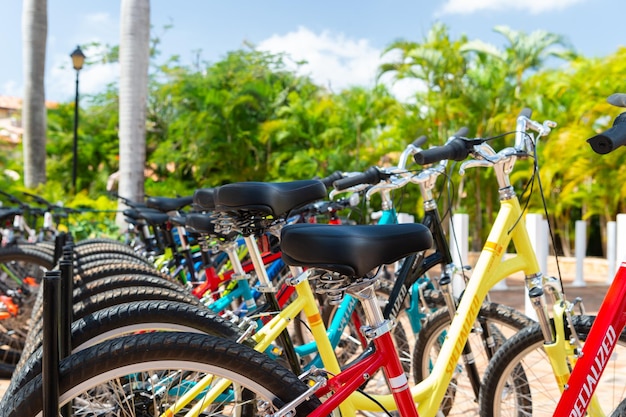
34, 34
134, 60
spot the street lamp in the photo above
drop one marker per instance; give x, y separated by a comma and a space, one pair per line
78, 59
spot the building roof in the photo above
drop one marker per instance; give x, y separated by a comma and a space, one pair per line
15, 103
12, 103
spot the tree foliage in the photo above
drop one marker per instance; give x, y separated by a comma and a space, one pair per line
250, 116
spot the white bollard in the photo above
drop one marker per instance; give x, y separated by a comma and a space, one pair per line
459, 247
406, 218
611, 237
581, 251
620, 247
545, 249
538, 234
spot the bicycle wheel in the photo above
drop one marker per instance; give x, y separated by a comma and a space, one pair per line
130, 318
143, 375
494, 325
21, 271
120, 281
120, 268
96, 259
520, 381
620, 411
20, 262
104, 300
93, 248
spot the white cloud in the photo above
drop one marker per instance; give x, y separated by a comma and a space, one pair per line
532, 6
334, 60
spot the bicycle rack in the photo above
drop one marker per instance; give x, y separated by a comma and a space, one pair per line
57, 319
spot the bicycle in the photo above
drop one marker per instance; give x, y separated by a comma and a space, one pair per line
438, 371
548, 365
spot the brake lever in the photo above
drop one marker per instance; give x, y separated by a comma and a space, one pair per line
474, 163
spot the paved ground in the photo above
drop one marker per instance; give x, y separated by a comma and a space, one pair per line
592, 293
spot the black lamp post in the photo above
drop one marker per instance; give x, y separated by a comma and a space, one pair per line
78, 59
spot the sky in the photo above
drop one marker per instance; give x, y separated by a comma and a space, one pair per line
342, 40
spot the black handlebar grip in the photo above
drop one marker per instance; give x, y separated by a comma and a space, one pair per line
617, 99
456, 150
420, 141
462, 132
329, 180
526, 112
370, 176
610, 139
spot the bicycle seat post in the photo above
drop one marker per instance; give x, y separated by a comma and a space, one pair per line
257, 260
376, 322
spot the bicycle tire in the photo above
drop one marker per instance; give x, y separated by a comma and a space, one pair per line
105, 248
26, 253
84, 261
620, 411
46, 248
17, 263
503, 322
526, 348
98, 240
90, 248
107, 366
120, 281
84, 276
128, 318
108, 299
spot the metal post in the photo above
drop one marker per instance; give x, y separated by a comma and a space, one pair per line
75, 144
50, 357
66, 265
59, 243
66, 310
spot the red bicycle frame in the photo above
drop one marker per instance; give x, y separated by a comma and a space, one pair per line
598, 347
213, 280
351, 378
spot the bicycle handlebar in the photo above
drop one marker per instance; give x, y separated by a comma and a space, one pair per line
617, 99
50, 206
329, 180
420, 141
371, 176
13, 199
456, 149
526, 112
612, 138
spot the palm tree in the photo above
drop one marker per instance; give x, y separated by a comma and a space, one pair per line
34, 32
134, 58
437, 63
524, 51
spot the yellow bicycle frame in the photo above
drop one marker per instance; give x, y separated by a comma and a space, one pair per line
489, 270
